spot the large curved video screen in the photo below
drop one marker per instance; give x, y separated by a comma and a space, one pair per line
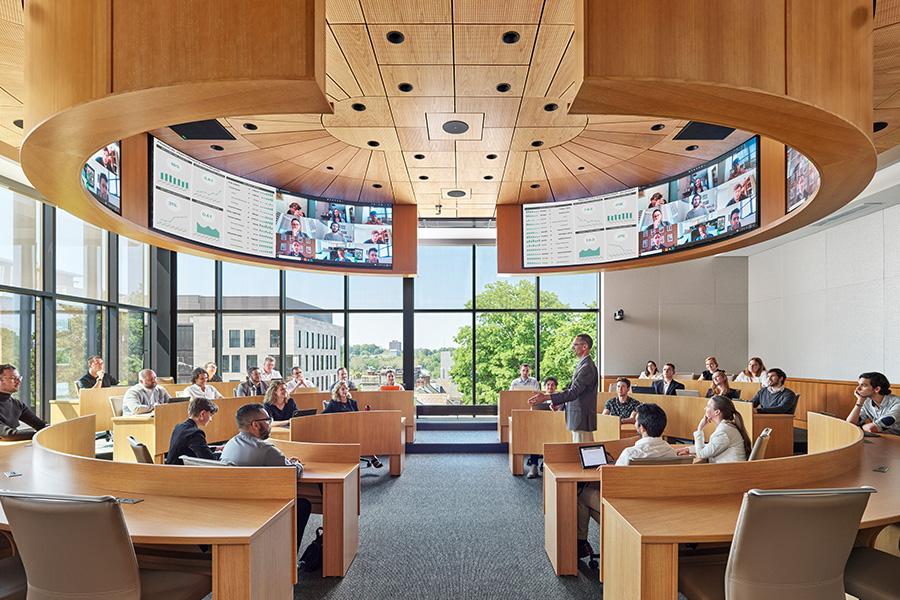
716, 200
101, 176
197, 202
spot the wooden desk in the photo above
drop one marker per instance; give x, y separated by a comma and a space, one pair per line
379, 432
155, 430
226, 388
508, 401
647, 512
529, 430
91, 401
396, 400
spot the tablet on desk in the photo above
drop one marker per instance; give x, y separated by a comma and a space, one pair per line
593, 456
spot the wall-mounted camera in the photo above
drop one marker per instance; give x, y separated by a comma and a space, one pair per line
619, 315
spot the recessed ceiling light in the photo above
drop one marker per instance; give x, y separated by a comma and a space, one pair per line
377, 186
419, 157
537, 143
581, 168
395, 37
217, 147
503, 87
423, 177
488, 177
19, 123
876, 126
456, 193
692, 147
535, 186
358, 106
455, 127
405, 87
657, 127
250, 126
329, 168
510, 37
491, 156
373, 143
551, 107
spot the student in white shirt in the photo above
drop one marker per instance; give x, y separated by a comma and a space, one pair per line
524, 381
142, 398
754, 373
200, 389
651, 423
651, 371
269, 372
296, 381
729, 442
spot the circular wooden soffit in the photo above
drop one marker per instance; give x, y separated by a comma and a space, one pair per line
84, 91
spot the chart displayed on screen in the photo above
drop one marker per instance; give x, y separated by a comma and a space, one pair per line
715, 200
197, 202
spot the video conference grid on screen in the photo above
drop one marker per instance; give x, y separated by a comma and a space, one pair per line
100, 176
716, 200
194, 201
803, 179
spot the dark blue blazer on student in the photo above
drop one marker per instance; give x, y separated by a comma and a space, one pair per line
659, 387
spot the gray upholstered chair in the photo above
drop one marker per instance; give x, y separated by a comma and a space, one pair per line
115, 403
141, 452
871, 574
788, 545
78, 547
758, 452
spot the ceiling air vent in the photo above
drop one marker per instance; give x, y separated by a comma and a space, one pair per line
856, 211
695, 130
209, 129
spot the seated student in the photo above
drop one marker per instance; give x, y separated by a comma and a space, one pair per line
96, 377
269, 372
279, 405
297, 380
650, 371
775, 398
754, 373
623, 405
143, 397
876, 409
729, 442
712, 365
252, 386
199, 388
212, 369
342, 402
721, 387
188, 438
525, 381
650, 423
667, 385
533, 462
13, 410
249, 448
391, 384
342, 375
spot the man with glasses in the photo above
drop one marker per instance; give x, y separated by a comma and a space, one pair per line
580, 396
96, 377
12, 410
250, 448
253, 386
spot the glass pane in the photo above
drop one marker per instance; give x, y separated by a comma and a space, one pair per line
20, 240
444, 277
80, 258
134, 272
493, 291
133, 345
557, 332
79, 335
245, 286
196, 282
17, 342
195, 343
569, 291
503, 341
305, 290
315, 343
443, 358
376, 292
253, 344
375, 346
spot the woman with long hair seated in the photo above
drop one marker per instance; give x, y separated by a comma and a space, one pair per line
719, 386
279, 404
729, 442
650, 372
754, 373
342, 402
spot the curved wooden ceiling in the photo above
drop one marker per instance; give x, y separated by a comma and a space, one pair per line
454, 57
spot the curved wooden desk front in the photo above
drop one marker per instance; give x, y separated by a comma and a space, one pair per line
401, 400
529, 430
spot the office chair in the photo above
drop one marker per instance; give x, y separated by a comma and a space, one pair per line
758, 452
141, 453
871, 574
91, 554
815, 528
115, 403
13, 584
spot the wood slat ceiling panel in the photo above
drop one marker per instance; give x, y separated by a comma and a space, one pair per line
410, 112
357, 49
386, 137
376, 191
482, 45
415, 139
665, 163
344, 187
279, 175
575, 163
534, 113
498, 112
333, 90
559, 12
322, 147
407, 11
482, 80
886, 42
270, 140
313, 158
376, 113
443, 175
524, 137
551, 44
343, 11
599, 182
338, 68
476, 163
582, 148
427, 80
424, 45
431, 159
888, 13
482, 11
493, 139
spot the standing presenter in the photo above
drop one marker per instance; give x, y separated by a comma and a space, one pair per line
580, 396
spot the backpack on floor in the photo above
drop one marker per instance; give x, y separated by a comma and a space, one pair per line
312, 556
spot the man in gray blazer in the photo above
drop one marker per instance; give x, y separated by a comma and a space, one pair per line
580, 396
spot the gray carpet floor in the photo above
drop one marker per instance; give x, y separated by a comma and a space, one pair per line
453, 526
451, 436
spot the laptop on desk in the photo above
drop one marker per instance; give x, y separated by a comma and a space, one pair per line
641, 389
687, 393
305, 413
